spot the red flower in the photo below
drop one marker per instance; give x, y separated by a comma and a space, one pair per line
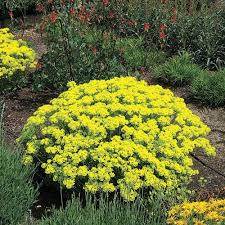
84, 15
174, 15
39, 65
94, 50
162, 26
39, 8
147, 26
72, 11
173, 18
111, 15
42, 26
162, 35
11, 14
130, 23
105, 2
53, 16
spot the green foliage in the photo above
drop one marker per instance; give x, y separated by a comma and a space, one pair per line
136, 56
178, 70
103, 211
155, 58
201, 35
196, 28
18, 4
16, 191
3, 7
209, 88
132, 52
78, 53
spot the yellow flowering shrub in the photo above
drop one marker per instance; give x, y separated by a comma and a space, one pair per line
15, 55
119, 134
198, 213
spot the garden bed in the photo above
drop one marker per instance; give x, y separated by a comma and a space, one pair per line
22, 104
65, 145
19, 107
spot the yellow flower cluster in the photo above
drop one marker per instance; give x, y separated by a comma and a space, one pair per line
198, 213
15, 55
120, 134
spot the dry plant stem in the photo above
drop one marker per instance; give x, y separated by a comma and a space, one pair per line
61, 196
66, 47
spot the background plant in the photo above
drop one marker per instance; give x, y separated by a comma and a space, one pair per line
135, 55
179, 70
76, 52
171, 26
209, 88
194, 34
15, 57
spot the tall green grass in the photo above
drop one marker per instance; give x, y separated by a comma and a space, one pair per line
17, 193
179, 70
102, 211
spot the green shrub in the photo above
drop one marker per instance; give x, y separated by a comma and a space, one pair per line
78, 53
194, 27
19, 5
136, 56
202, 35
16, 58
132, 51
103, 211
155, 58
119, 135
178, 70
209, 88
16, 191
16, 6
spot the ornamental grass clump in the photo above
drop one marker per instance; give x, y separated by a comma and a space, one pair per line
102, 211
198, 213
17, 193
15, 58
115, 135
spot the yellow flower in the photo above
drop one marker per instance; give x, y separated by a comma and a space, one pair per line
200, 213
15, 55
69, 183
27, 160
119, 134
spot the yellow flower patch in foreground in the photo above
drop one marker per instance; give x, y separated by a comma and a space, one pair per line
120, 134
198, 213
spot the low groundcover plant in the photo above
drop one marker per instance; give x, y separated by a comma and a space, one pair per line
119, 134
198, 213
